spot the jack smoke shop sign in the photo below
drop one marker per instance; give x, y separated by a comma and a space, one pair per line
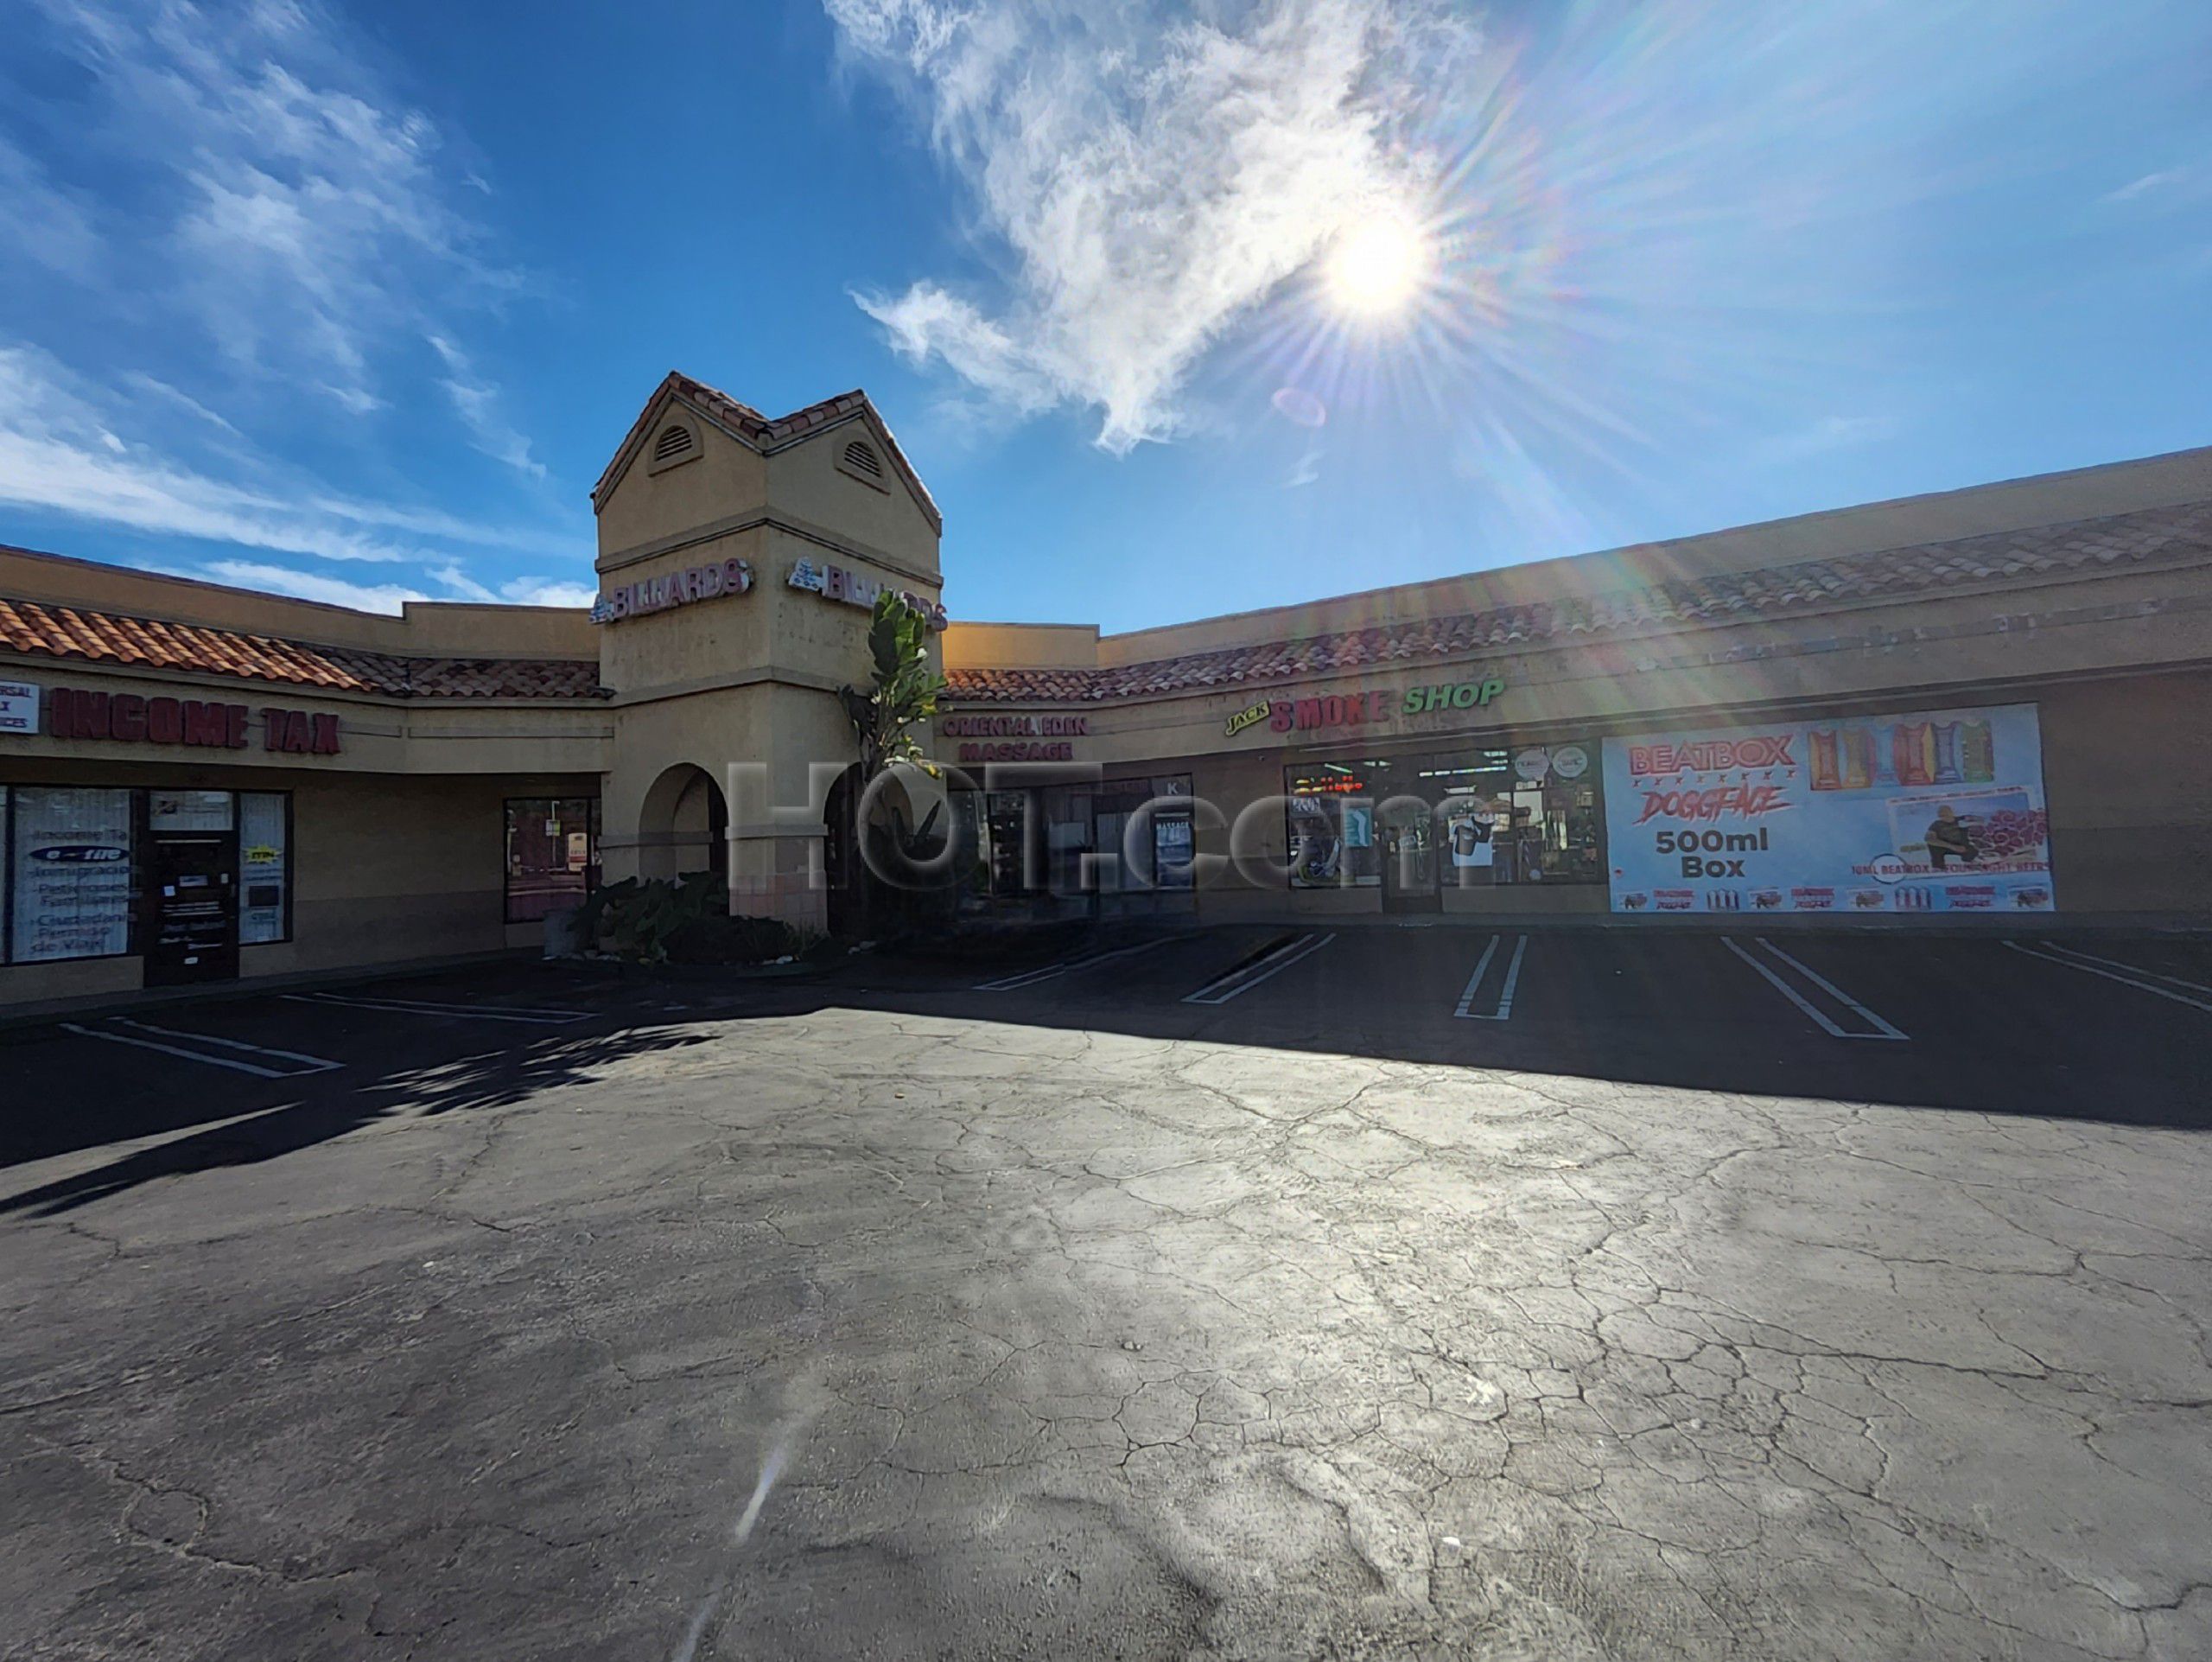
1872, 816
1360, 708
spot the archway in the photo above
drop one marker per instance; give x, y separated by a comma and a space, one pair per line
684, 825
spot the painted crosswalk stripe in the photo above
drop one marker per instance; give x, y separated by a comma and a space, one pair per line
1504, 1012
1270, 964
1065, 966
1883, 1029
415, 1007
2072, 962
307, 1064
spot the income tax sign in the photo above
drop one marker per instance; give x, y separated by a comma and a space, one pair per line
1890, 816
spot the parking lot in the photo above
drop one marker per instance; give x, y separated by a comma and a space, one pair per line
1353, 1291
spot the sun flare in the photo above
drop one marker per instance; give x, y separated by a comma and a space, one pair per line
1377, 266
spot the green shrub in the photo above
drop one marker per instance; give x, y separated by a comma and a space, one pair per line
637, 918
685, 920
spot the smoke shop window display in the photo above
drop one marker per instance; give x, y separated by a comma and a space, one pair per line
1512, 814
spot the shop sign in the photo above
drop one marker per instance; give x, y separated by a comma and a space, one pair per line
1453, 695
842, 583
1327, 710
127, 718
1935, 812
1019, 750
18, 707
717, 580
1019, 727
1022, 729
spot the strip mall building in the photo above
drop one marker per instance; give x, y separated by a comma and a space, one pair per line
1992, 705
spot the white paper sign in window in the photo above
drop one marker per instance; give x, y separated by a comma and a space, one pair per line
71, 873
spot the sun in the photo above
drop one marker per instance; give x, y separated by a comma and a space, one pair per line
1377, 266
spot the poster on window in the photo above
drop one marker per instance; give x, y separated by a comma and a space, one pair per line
1911, 816
1332, 839
261, 868
72, 874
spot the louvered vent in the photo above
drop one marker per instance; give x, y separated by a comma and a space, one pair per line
862, 459
674, 442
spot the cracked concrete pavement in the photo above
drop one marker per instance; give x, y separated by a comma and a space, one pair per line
1063, 1341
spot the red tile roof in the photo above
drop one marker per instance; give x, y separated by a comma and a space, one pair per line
2120, 542
765, 434
73, 632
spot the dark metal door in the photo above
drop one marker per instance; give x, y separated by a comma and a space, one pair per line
192, 907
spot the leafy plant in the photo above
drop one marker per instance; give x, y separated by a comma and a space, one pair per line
901, 694
638, 918
901, 697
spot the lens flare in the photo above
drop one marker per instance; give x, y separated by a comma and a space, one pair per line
1378, 266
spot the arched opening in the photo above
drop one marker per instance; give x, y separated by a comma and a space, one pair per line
683, 825
907, 823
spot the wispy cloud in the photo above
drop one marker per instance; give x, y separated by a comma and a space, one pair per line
2165, 179
313, 585
153, 387
307, 230
520, 591
40, 221
1155, 176
1823, 437
67, 450
309, 224
477, 402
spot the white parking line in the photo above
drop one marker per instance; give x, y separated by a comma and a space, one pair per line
1065, 966
1883, 1030
1239, 982
2072, 962
314, 1064
1504, 1010
412, 1007
2133, 969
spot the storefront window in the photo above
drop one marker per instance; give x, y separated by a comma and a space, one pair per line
552, 854
1331, 807
1006, 844
69, 869
996, 833
1491, 815
188, 811
265, 868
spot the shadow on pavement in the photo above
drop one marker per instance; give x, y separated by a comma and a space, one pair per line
1989, 1031
489, 1078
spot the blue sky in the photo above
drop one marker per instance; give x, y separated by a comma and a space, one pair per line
355, 301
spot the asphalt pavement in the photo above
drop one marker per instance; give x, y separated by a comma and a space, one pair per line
1247, 1293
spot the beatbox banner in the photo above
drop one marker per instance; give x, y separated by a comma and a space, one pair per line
1907, 816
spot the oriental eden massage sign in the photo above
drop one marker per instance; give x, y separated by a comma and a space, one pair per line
1880, 816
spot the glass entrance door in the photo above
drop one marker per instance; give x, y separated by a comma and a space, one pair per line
1405, 835
192, 897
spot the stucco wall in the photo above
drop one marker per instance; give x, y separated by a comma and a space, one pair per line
2127, 778
385, 868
